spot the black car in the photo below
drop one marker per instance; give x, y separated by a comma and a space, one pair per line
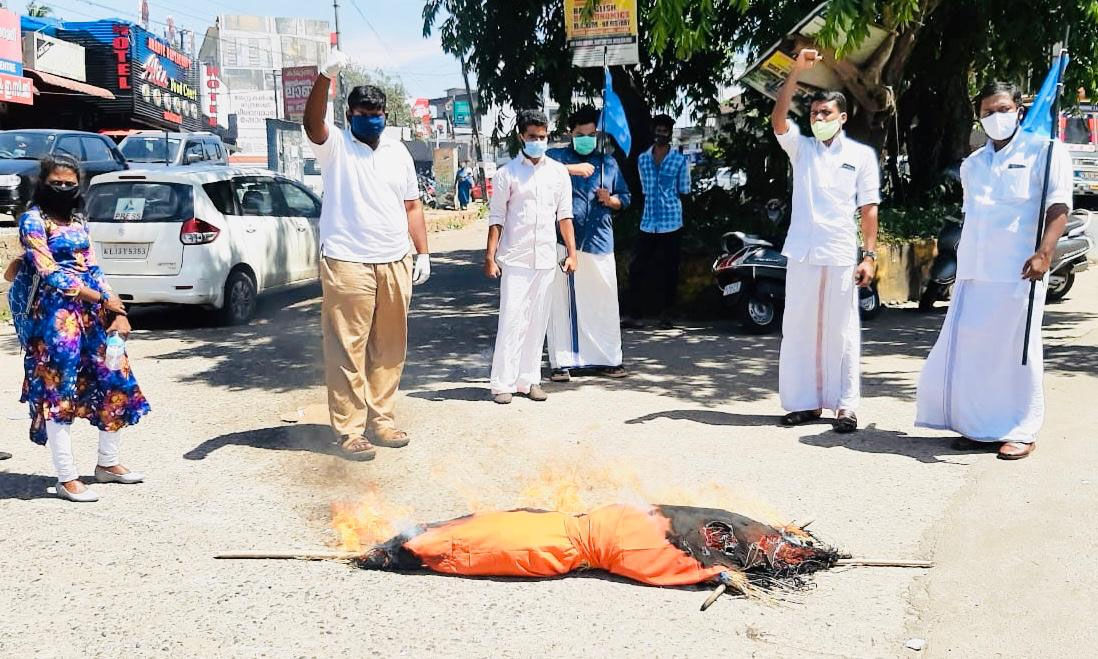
20, 151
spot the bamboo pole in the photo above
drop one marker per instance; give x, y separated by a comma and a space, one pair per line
292, 555
875, 562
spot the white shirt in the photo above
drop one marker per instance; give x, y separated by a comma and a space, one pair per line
527, 201
829, 184
1002, 198
363, 218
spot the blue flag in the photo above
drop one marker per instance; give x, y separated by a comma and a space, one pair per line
612, 121
1038, 119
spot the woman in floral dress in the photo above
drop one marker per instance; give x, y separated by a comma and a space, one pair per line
69, 318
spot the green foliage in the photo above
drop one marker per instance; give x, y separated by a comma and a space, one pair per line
399, 111
38, 10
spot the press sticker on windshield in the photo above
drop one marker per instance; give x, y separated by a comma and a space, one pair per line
129, 209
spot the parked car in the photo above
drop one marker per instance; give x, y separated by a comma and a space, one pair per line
312, 176
20, 151
158, 148
214, 236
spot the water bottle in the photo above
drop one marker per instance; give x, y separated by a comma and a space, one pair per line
116, 352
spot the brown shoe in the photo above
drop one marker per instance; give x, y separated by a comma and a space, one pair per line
537, 394
390, 438
1016, 450
797, 418
846, 421
502, 399
615, 372
358, 449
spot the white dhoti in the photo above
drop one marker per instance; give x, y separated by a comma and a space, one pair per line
520, 336
584, 325
974, 383
821, 339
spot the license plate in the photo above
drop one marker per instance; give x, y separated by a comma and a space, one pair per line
733, 288
136, 251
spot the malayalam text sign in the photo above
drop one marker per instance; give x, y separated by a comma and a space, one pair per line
297, 82
607, 35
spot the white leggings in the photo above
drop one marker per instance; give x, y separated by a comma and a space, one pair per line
60, 443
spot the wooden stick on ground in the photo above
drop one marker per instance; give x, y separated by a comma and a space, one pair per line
292, 555
717, 592
872, 562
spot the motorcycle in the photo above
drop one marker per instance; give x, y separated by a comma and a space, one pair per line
1070, 257
750, 273
427, 191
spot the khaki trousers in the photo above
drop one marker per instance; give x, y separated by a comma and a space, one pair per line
365, 321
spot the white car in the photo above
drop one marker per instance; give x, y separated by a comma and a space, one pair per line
215, 236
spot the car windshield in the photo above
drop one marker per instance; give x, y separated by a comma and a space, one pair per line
1077, 130
151, 148
126, 201
23, 146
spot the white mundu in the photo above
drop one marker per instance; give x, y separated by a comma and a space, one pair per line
974, 382
590, 293
528, 202
821, 342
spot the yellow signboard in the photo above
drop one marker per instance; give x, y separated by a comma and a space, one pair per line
605, 35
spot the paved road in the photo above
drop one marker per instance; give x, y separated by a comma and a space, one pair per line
695, 424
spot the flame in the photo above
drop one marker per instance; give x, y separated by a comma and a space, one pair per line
366, 520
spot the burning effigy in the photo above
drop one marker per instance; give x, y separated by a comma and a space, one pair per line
656, 545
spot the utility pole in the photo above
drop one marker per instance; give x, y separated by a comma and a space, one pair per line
481, 178
337, 115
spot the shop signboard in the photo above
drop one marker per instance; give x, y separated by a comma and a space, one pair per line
297, 82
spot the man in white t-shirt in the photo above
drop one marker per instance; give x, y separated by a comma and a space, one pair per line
371, 206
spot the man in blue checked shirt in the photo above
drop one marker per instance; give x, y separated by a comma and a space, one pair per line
654, 271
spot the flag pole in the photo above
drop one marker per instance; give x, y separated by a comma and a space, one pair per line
1054, 134
602, 116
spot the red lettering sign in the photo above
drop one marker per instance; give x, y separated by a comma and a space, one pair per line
121, 47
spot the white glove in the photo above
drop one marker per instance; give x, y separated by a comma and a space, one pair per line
421, 269
337, 61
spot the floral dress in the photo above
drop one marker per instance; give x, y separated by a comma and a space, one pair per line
65, 373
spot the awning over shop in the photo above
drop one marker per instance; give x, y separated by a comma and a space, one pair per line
50, 80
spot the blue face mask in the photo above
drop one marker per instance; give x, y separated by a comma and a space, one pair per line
535, 148
367, 128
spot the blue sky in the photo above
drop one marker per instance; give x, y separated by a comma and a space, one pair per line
400, 50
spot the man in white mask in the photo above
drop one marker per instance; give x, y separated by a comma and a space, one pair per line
974, 382
531, 199
833, 177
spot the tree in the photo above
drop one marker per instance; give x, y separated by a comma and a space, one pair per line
934, 53
399, 111
36, 10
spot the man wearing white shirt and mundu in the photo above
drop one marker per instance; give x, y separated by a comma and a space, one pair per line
531, 198
833, 176
974, 382
371, 206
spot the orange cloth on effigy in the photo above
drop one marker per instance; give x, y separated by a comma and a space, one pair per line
624, 540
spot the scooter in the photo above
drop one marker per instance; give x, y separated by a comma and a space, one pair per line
1070, 258
427, 192
750, 273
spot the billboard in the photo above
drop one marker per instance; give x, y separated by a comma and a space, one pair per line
16, 89
463, 114
607, 34
11, 44
297, 82
252, 110
49, 55
165, 81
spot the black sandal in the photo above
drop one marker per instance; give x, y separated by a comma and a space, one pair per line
846, 421
797, 418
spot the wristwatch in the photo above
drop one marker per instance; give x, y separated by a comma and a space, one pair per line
869, 254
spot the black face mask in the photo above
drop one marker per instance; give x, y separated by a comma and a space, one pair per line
59, 200
663, 140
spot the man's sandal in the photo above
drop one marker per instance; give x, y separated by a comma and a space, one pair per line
797, 418
390, 438
358, 449
1016, 450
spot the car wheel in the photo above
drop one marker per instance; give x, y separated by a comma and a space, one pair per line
1058, 286
759, 315
240, 299
869, 303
